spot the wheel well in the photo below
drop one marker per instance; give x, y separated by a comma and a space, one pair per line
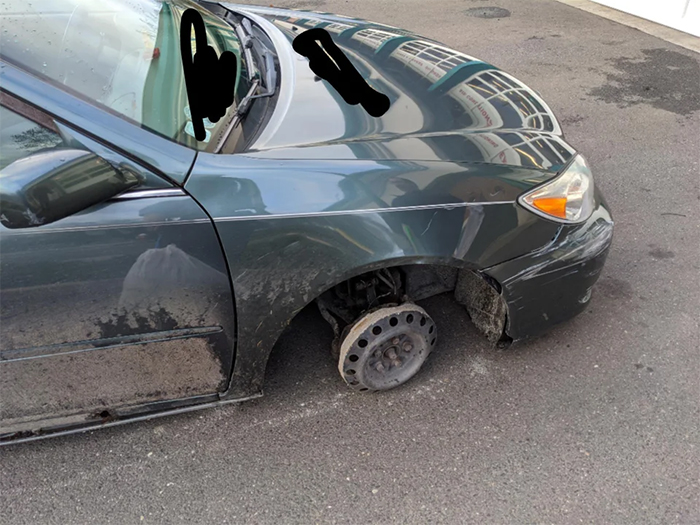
480, 294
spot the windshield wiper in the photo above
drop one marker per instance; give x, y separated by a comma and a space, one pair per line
246, 44
266, 54
241, 111
249, 39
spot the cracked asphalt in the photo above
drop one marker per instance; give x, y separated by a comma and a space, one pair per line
598, 421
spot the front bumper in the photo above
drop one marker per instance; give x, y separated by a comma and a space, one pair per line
554, 283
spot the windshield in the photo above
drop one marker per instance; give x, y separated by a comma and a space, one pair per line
123, 55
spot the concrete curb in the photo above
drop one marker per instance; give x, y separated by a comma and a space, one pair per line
674, 36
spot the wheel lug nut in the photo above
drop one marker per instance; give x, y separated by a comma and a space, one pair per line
391, 353
379, 367
407, 347
395, 341
396, 362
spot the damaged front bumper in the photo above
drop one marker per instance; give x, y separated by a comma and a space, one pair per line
553, 284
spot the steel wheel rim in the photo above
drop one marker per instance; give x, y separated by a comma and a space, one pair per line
387, 347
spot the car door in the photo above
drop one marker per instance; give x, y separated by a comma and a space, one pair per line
119, 309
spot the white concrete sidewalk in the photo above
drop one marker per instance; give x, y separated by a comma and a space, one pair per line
669, 34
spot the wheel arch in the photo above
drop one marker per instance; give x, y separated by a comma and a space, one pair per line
475, 290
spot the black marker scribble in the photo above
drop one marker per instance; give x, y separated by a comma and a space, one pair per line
342, 75
210, 79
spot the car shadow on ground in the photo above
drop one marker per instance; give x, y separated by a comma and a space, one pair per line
301, 361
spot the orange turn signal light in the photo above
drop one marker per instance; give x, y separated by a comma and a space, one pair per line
555, 206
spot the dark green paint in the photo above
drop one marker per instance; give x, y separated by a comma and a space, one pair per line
326, 192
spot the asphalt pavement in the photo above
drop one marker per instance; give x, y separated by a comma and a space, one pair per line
598, 421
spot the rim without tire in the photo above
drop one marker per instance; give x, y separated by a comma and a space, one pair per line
386, 348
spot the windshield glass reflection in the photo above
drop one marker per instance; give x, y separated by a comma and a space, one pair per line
122, 55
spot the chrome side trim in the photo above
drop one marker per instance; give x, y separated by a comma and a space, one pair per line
449, 206
92, 227
147, 194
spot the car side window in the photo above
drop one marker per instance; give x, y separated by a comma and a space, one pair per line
20, 137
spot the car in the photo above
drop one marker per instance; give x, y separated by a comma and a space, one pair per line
151, 256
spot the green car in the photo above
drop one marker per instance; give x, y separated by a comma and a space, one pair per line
145, 272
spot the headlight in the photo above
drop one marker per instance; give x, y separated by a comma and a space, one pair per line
568, 198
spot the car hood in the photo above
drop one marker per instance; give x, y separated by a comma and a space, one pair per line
445, 105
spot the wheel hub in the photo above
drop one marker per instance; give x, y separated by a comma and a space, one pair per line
392, 353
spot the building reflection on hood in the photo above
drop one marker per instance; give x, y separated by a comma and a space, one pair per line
486, 114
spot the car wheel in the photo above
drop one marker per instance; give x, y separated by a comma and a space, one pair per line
386, 347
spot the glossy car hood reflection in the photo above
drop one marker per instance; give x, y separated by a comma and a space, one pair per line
445, 105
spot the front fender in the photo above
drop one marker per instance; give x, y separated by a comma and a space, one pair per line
280, 265
293, 229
